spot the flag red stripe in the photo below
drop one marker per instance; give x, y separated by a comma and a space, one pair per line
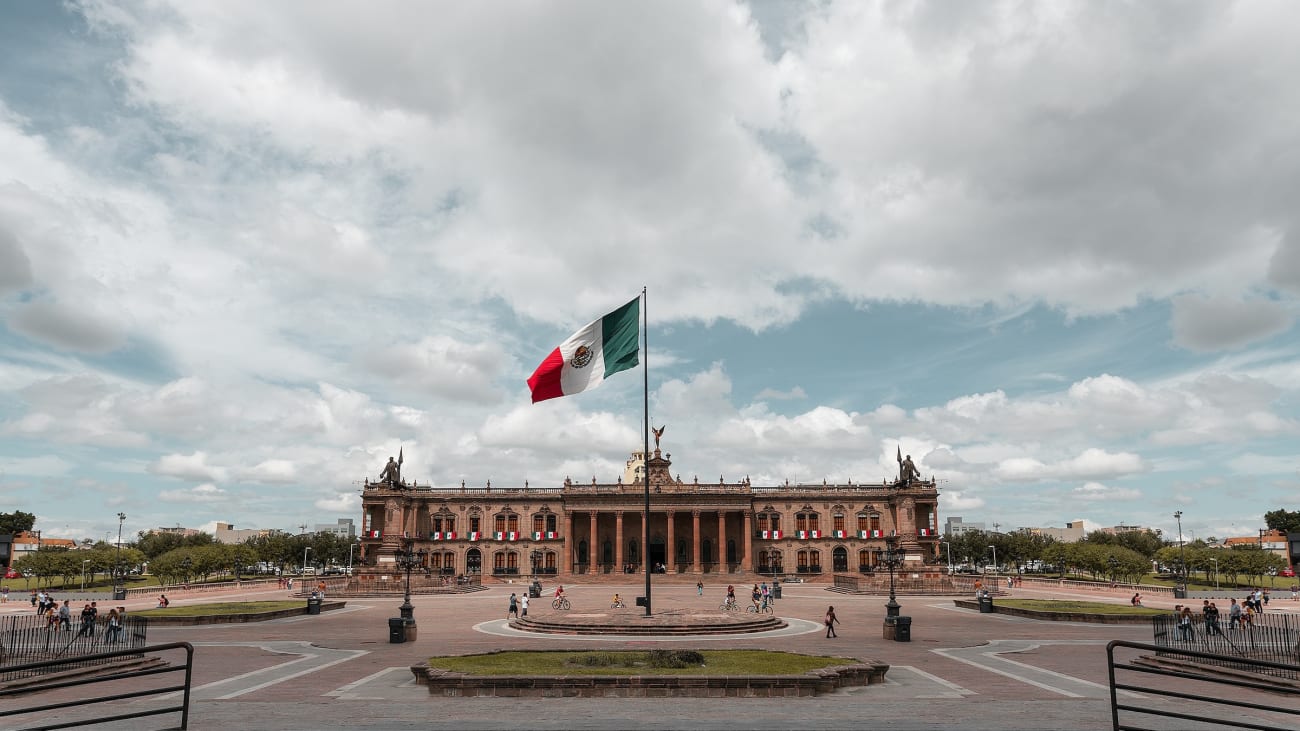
545, 381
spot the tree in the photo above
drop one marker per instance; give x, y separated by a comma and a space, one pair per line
16, 522
1287, 521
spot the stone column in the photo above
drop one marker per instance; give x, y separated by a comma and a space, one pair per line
569, 545
747, 560
671, 549
695, 543
592, 549
618, 540
722, 541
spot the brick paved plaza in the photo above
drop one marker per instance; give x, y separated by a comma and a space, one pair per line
338, 670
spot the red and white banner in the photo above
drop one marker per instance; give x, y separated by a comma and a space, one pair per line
772, 535
924, 532
372, 534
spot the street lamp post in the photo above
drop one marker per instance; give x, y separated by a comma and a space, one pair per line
350, 547
408, 560
948, 547
892, 558
536, 557
84, 561
1182, 558
304, 560
1215, 561
995, 559
119, 591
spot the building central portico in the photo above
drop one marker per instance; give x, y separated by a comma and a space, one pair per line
693, 528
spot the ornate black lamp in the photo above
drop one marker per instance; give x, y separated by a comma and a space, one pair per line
536, 557
408, 560
893, 558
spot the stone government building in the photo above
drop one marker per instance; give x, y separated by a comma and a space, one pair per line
695, 528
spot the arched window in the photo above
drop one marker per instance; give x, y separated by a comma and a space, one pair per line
473, 561
864, 521
681, 550
762, 561
706, 551
815, 561
865, 564
803, 562
549, 562
838, 519
512, 561
875, 521
632, 555
840, 559
475, 523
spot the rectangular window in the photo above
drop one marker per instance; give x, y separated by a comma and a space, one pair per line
499, 523
762, 521
776, 521
513, 522
474, 524
449, 524
801, 521
863, 523
551, 522
875, 521
814, 522
539, 523
839, 522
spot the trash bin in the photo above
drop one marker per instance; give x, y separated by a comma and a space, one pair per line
986, 605
119, 594
535, 590
902, 629
1180, 592
396, 630
313, 605
890, 628
776, 590
410, 629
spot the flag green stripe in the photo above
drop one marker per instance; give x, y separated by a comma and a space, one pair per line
620, 333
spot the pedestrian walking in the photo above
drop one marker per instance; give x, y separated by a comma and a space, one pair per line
1185, 631
1234, 615
65, 616
114, 627
514, 606
4, 594
523, 604
1212, 620
831, 621
88, 613
699, 588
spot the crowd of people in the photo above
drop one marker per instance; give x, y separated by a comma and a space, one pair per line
58, 616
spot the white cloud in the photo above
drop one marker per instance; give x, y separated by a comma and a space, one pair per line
1218, 323
345, 503
770, 394
188, 467
1096, 492
1094, 463
205, 493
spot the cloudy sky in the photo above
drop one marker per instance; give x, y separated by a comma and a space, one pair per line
248, 250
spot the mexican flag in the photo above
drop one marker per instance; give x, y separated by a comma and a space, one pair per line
508, 535
589, 356
540, 536
806, 534
877, 534
443, 535
841, 534
474, 535
863, 533
772, 535
372, 534
923, 532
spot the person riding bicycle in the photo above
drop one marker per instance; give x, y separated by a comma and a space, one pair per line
617, 602
755, 595
559, 591
731, 595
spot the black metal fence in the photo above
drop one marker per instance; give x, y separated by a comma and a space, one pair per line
1270, 638
28, 639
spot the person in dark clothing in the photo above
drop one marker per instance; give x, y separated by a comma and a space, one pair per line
831, 621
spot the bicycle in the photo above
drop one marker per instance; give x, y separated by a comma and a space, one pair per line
617, 605
560, 603
729, 606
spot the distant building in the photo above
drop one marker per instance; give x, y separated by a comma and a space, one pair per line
30, 542
1071, 533
1274, 541
344, 528
1118, 529
955, 526
177, 531
226, 533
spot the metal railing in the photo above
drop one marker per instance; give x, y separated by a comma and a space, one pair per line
1178, 689
40, 715
1241, 645
29, 638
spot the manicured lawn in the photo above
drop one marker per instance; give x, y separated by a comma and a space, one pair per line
1070, 607
716, 662
207, 610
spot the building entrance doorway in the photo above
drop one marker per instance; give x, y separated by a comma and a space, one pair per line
658, 554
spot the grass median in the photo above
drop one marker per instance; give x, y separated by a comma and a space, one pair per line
1072, 607
656, 662
220, 608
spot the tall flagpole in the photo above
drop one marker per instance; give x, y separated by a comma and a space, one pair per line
645, 435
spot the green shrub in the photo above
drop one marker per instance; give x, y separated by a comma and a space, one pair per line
675, 659
597, 660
